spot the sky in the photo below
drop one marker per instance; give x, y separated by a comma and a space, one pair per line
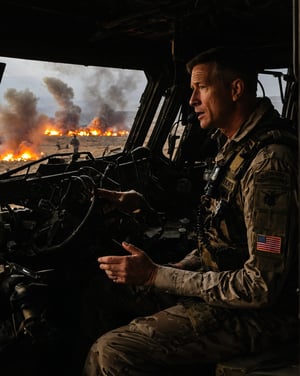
87, 86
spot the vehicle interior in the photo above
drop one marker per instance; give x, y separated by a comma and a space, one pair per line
49, 245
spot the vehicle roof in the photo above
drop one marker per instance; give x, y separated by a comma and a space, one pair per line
142, 33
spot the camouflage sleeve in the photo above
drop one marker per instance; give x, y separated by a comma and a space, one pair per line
191, 261
269, 201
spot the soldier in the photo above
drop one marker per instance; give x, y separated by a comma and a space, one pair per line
236, 293
75, 143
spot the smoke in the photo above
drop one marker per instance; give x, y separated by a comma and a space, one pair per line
68, 116
20, 123
106, 94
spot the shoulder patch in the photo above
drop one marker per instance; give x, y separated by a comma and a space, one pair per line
273, 177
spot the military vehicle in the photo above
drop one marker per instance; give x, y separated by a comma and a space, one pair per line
49, 245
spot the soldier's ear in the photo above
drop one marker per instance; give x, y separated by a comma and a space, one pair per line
237, 89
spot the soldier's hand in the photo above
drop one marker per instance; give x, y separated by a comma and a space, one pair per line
127, 201
137, 268
176, 265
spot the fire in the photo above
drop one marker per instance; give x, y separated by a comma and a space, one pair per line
52, 132
95, 128
27, 151
88, 131
21, 156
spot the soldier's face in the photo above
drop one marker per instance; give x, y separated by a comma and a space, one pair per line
211, 98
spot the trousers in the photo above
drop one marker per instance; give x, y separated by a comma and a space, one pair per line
185, 332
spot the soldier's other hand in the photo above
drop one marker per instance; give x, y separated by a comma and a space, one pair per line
176, 265
137, 268
127, 201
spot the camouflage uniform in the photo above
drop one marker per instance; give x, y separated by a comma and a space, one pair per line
243, 297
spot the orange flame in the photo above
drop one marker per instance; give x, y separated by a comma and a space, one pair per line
97, 132
87, 131
24, 154
27, 152
52, 132
95, 128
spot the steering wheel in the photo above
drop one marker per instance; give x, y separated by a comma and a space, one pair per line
68, 209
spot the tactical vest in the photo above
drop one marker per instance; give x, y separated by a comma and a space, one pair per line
225, 176
224, 181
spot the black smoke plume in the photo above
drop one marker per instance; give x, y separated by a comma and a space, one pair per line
20, 122
67, 117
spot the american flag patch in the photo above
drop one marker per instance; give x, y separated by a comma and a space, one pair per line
268, 243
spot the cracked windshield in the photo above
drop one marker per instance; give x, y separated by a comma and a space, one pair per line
48, 109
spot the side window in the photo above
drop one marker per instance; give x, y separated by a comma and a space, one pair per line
272, 84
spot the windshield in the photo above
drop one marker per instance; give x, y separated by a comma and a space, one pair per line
43, 105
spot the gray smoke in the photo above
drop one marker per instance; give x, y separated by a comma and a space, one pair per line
20, 122
106, 100
68, 116
107, 96
106, 93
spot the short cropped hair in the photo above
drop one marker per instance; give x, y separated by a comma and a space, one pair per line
234, 62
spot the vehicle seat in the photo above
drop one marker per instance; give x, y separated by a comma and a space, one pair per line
282, 360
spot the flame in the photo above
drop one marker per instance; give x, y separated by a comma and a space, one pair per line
52, 132
26, 154
94, 129
27, 151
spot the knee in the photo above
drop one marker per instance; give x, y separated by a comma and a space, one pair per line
104, 347
115, 352
92, 365
104, 357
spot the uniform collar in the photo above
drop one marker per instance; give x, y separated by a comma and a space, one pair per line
263, 106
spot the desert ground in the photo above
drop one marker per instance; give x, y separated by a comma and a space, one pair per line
96, 145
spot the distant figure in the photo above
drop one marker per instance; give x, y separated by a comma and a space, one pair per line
58, 145
75, 143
